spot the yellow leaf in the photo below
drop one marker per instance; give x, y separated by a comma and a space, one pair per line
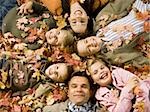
25, 99
4, 76
61, 21
2, 86
50, 100
36, 75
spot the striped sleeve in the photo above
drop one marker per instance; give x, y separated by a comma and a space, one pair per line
127, 26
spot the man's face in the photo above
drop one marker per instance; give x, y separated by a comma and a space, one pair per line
79, 90
78, 18
57, 72
100, 73
56, 37
89, 46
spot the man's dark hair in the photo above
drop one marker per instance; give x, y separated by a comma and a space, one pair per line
82, 74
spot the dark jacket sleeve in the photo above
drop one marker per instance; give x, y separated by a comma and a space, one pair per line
38, 8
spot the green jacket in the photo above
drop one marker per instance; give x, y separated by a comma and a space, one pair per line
10, 20
115, 9
128, 53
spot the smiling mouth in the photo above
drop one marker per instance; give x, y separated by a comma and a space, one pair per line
78, 95
78, 12
104, 76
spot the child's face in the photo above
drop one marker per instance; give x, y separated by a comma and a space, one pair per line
78, 18
100, 73
57, 72
56, 37
89, 46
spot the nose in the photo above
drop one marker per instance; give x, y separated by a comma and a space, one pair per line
88, 43
78, 15
79, 89
78, 23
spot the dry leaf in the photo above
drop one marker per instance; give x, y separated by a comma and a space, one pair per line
36, 75
61, 21
147, 26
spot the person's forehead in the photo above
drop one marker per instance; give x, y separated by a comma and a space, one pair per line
59, 65
79, 80
53, 30
96, 65
63, 33
82, 48
81, 42
62, 67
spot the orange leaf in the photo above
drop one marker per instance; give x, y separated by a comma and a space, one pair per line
147, 26
142, 16
25, 109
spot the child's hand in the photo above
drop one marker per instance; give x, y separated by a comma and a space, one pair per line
132, 83
26, 8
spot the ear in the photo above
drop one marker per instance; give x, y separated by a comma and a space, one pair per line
69, 19
47, 71
88, 17
67, 93
94, 83
88, 73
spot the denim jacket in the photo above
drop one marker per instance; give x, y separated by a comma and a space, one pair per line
5, 6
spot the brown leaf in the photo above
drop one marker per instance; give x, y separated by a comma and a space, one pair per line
147, 26
31, 38
16, 108
25, 108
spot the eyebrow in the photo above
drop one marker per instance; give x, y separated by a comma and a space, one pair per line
77, 84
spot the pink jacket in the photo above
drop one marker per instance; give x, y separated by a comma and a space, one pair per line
122, 103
